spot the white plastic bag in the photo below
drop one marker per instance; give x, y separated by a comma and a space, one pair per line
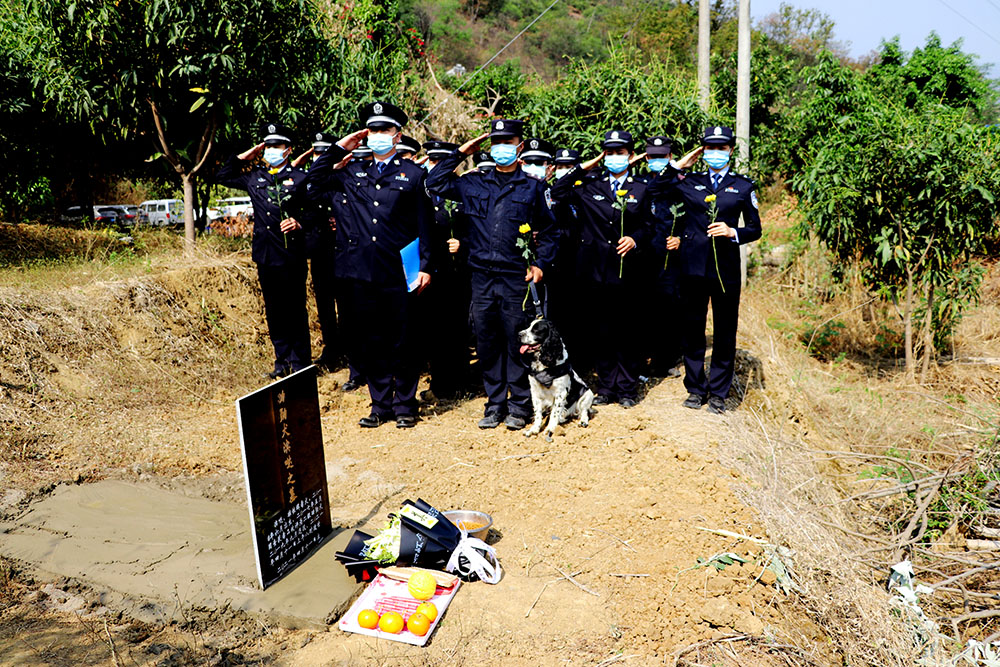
473, 556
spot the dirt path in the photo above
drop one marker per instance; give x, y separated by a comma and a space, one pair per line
626, 496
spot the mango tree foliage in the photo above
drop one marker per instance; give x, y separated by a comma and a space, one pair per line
908, 196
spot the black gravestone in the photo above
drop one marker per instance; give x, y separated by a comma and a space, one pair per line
282, 442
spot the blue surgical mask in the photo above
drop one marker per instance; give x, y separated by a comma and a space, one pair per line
274, 155
562, 171
427, 165
616, 164
658, 164
716, 159
535, 171
380, 143
503, 154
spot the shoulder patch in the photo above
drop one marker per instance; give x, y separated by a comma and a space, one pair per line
753, 199
548, 197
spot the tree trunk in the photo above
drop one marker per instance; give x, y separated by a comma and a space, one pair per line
928, 333
189, 236
908, 326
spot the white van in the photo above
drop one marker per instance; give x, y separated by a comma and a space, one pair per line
162, 212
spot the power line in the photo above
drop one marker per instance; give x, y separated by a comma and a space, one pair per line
995, 5
974, 25
504, 48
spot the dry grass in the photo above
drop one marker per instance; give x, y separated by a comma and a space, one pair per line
826, 437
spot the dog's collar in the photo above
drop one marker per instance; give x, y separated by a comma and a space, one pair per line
547, 376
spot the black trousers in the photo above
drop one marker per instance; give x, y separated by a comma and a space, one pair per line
284, 291
611, 329
324, 289
497, 317
663, 324
445, 330
695, 294
380, 344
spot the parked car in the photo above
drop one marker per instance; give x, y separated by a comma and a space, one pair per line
109, 216
162, 212
75, 215
230, 208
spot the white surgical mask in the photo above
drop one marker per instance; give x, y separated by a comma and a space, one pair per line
562, 171
535, 171
274, 155
380, 143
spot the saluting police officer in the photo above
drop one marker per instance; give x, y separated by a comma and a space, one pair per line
497, 205
383, 209
612, 219
483, 161
447, 312
561, 278
407, 147
536, 159
661, 325
721, 195
278, 245
320, 224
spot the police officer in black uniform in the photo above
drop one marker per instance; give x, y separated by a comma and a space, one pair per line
483, 161
407, 147
278, 246
704, 279
561, 279
447, 313
660, 324
384, 209
320, 223
497, 205
536, 159
609, 278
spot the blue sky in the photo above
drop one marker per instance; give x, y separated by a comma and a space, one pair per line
864, 23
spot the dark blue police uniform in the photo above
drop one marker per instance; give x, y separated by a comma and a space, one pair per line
702, 279
608, 283
383, 208
280, 257
495, 206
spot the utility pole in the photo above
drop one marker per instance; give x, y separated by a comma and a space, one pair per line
743, 105
704, 51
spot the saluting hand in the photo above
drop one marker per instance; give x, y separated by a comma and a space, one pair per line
290, 225
721, 229
421, 160
454, 245
688, 160
625, 244
253, 153
673, 242
637, 159
590, 164
471, 146
300, 160
353, 140
343, 163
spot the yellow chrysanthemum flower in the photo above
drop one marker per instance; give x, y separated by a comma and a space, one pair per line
273, 171
524, 229
709, 199
622, 193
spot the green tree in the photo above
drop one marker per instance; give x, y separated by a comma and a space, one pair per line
907, 196
184, 74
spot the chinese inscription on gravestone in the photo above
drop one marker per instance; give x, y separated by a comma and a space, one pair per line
283, 462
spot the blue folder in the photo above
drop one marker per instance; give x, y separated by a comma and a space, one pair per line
410, 255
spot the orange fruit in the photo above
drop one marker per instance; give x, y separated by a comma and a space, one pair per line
422, 585
368, 618
418, 624
391, 622
429, 610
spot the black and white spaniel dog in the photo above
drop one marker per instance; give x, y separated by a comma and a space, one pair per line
555, 386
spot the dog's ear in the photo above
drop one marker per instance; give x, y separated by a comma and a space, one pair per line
551, 347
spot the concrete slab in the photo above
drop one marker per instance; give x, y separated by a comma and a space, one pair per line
161, 554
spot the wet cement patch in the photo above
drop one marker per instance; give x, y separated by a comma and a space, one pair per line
158, 555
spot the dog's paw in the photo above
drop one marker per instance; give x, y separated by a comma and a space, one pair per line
548, 437
531, 431
584, 424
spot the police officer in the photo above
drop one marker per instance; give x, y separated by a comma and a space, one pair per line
407, 147
320, 224
561, 279
498, 205
536, 159
662, 344
383, 209
362, 154
278, 246
448, 296
721, 195
483, 161
612, 219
